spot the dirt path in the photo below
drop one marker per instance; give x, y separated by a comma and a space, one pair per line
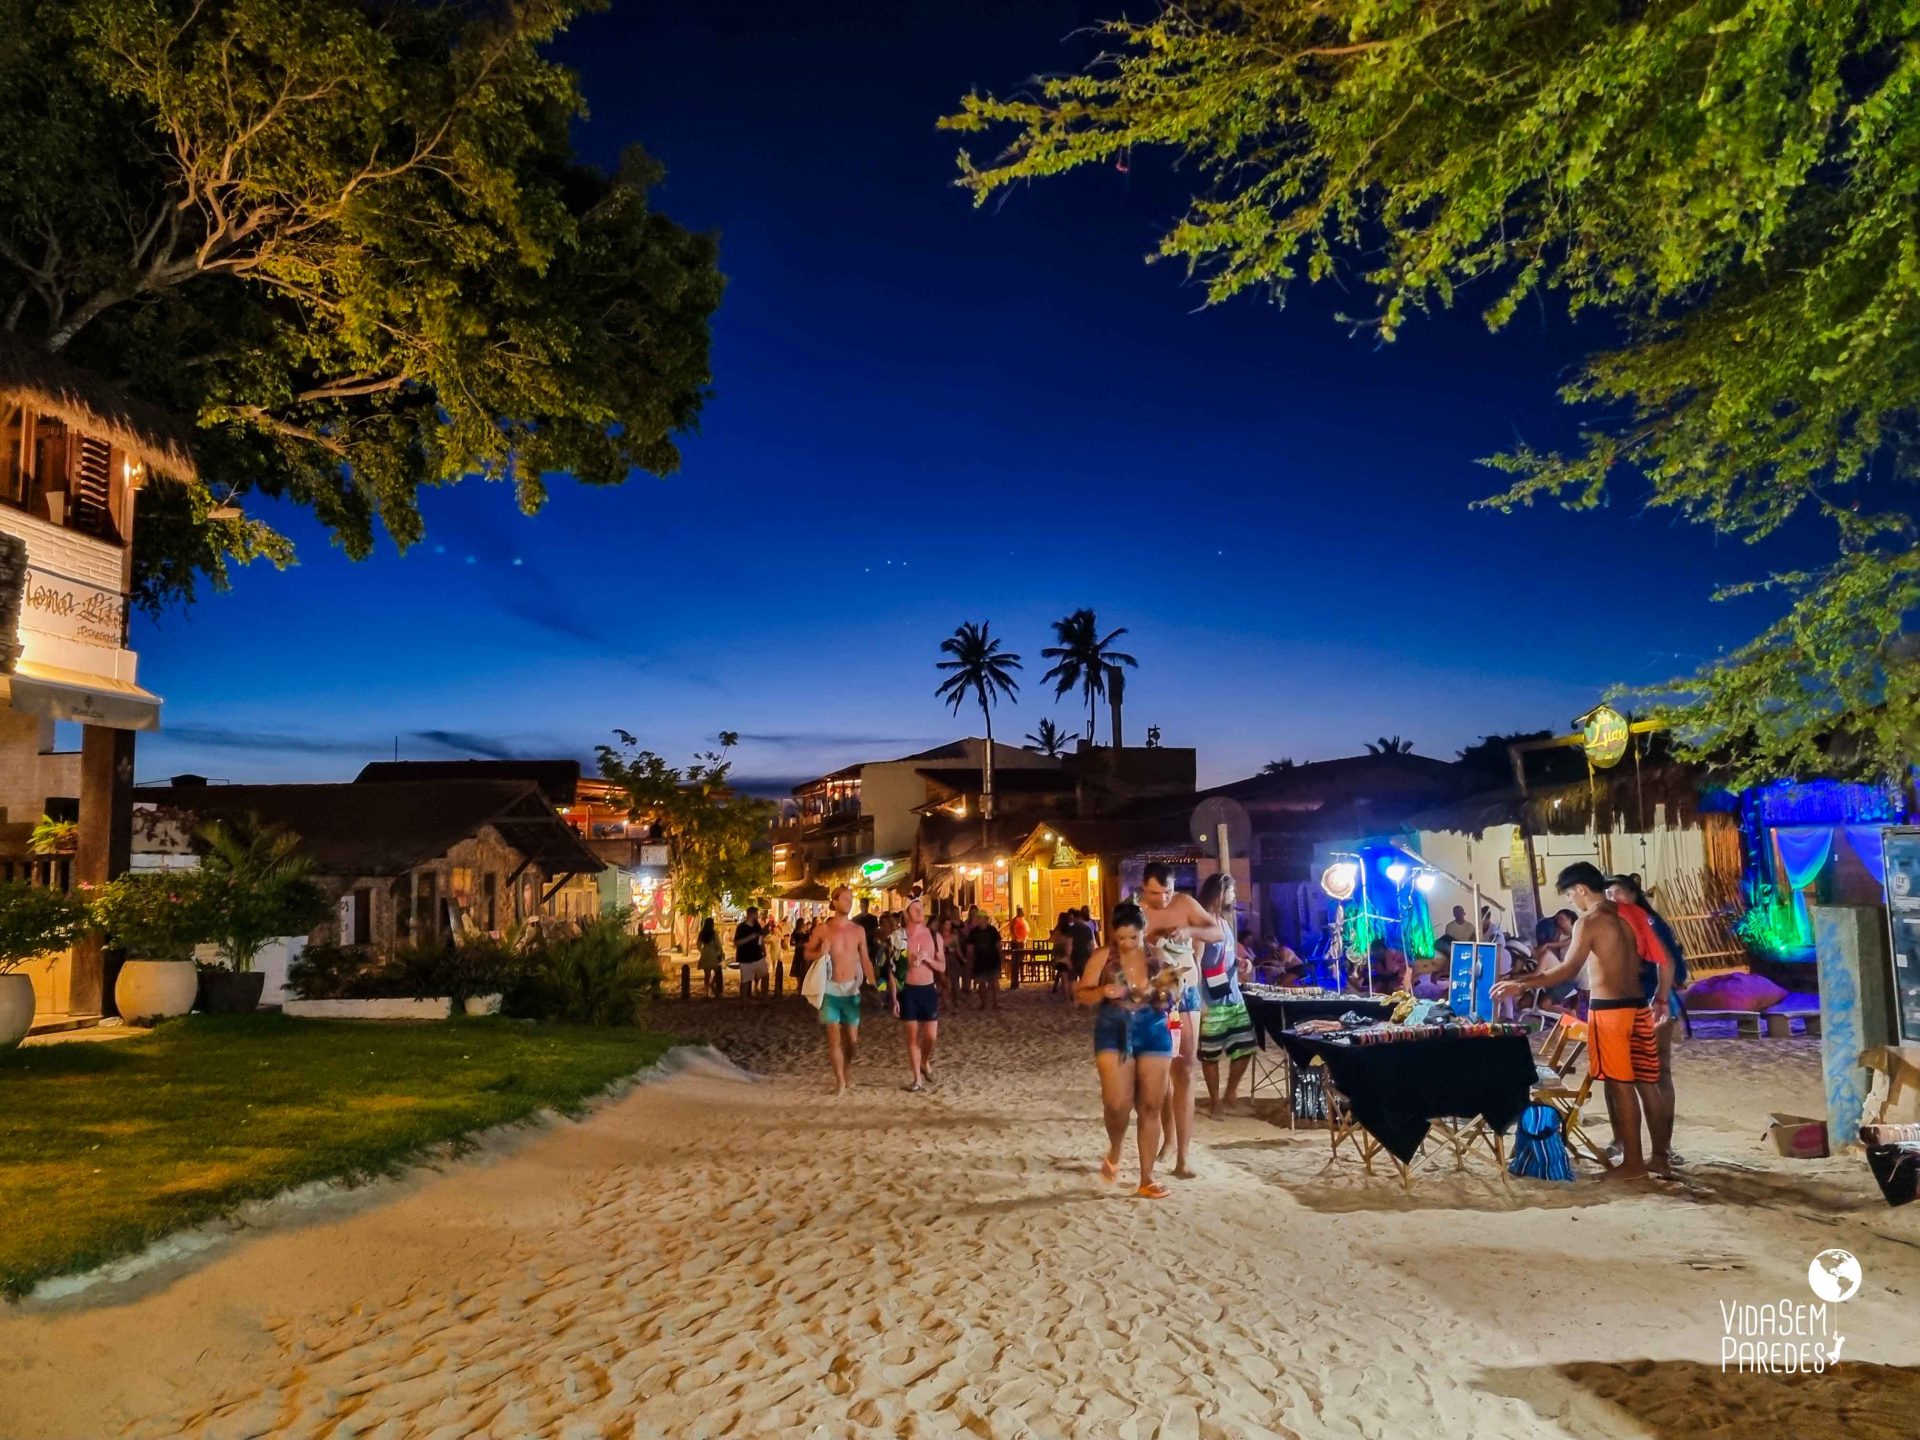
707, 1257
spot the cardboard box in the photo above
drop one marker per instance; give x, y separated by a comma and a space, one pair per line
1798, 1137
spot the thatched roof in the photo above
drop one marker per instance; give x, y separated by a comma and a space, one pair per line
49, 386
1614, 797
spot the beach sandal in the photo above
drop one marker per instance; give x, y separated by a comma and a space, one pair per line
914, 1089
1153, 1190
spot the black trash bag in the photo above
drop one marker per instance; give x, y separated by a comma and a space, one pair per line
1893, 1155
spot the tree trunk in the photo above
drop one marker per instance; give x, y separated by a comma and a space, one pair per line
986, 796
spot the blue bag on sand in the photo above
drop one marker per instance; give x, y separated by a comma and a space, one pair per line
1539, 1151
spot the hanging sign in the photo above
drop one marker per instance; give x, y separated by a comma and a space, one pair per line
1604, 737
873, 869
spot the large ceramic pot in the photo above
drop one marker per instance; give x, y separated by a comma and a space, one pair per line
224, 993
149, 990
16, 1009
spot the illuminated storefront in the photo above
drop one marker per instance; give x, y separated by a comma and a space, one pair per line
1049, 874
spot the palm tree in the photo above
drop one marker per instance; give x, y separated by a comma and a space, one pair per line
258, 887
1275, 767
978, 667
1385, 746
1085, 659
1050, 740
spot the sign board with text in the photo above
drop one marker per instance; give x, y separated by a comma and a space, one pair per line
72, 610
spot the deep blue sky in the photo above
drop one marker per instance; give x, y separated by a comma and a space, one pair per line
924, 413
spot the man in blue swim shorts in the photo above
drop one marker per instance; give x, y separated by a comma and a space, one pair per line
844, 944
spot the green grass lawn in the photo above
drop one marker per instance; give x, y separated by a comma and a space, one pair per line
107, 1146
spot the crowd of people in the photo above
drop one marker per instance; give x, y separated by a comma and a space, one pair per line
1165, 983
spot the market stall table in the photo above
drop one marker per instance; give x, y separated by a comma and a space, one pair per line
1396, 1091
1274, 1009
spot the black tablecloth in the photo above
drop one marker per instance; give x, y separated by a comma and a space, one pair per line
1270, 1017
1396, 1089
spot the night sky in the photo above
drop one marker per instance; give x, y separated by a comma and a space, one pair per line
923, 414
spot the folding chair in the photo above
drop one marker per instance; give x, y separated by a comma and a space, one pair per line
1560, 1050
1460, 1133
1343, 1129
1559, 1089
1270, 1070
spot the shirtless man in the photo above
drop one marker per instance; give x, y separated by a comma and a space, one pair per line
1175, 920
844, 943
1623, 1038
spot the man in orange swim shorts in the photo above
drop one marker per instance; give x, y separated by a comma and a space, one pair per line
1623, 1044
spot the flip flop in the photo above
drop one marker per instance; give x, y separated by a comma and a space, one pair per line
913, 1089
1153, 1190
1109, 1172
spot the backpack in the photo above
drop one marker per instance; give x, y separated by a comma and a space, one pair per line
1539, 1148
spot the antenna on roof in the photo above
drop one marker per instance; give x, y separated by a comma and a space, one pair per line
396, 748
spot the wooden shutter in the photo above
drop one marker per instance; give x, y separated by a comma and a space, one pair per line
93, 487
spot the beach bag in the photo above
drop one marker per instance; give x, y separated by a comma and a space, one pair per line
1539, 1149
814, 986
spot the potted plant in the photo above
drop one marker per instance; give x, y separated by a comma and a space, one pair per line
157, 917
256, 889
33, 921
54, 837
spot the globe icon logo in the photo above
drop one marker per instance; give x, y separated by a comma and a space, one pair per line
1834, 1276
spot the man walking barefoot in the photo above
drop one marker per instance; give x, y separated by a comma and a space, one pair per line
1175, 920
1624, 1050
844, 944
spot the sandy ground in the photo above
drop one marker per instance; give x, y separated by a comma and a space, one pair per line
710, 1257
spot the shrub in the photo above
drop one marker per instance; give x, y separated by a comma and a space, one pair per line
35, 920
412, 972
326, 972
155, 914
600, 976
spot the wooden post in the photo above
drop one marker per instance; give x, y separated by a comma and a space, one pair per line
686, 982
104, 851
779, 977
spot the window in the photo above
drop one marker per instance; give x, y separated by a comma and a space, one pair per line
58, 474
14, 426
426, 895
90, 482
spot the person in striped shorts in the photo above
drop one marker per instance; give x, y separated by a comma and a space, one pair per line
1225, 1027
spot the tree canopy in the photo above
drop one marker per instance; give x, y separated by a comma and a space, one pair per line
1737, 185
715, 836
353, 244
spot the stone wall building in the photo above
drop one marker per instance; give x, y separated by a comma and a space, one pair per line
406, 862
